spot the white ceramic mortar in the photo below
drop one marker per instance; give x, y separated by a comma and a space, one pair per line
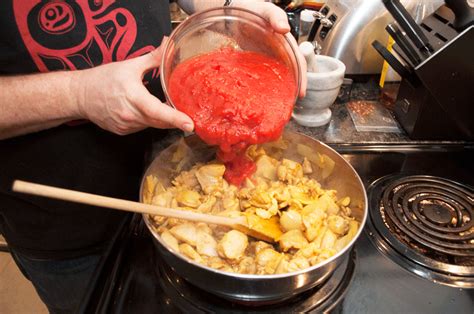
323, 88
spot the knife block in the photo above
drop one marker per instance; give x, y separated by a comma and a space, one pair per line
438, 104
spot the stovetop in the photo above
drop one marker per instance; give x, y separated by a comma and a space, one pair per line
130, 278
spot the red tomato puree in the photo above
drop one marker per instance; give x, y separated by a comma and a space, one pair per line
236, 99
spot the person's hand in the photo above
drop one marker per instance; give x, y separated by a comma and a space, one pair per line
114, 97
279, 21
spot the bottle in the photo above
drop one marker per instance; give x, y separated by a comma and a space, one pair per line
306, 21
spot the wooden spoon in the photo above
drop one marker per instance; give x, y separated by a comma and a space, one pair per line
263, 229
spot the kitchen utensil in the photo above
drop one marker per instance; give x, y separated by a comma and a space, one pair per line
324, 82
404, 44
220, 27
406, 22
307, 50
464, 12
259, 288
392, 60
262, 229
440, 105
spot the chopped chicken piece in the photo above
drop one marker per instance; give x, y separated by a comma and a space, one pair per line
324, 255
313, 218
203, 227
282, 194
230, 203
293, 239
266, 168
233, 245
163, 199
329, 239
260, 198
171, 241
185, 232
149, 188
218, 263
338, 225
210, 177
319, 239
187, 179
297, 263
259, 246
246, 266
207, 205
291, 220
160, 220
267, 261
289, 171
254, 151
205, 243
301, 193
188, 198
188, 251
282, 266
310, 250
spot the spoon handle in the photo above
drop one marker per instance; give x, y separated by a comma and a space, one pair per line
119, 204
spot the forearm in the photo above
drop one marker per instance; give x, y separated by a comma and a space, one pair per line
31, 103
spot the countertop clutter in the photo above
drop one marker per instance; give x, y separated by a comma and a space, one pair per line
341, 128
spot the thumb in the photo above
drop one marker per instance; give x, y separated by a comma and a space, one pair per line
152, 59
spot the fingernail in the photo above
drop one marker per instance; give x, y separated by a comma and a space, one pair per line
188, 127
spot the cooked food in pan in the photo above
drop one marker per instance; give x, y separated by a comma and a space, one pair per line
315, 223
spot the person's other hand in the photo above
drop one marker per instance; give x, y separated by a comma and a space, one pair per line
114, 97
279, 21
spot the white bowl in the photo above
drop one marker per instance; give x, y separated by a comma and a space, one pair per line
323, 88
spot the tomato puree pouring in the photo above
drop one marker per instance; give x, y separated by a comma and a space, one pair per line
236, 99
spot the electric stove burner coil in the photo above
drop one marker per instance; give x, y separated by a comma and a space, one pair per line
426, 225
433, 212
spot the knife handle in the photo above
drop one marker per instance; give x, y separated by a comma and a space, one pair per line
406, 22
464, 13
391, 59
403, 43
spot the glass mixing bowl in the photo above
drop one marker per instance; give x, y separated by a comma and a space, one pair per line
220, 27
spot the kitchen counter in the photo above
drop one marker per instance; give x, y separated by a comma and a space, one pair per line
341, 129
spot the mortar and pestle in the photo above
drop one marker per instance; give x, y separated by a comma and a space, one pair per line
325, 77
